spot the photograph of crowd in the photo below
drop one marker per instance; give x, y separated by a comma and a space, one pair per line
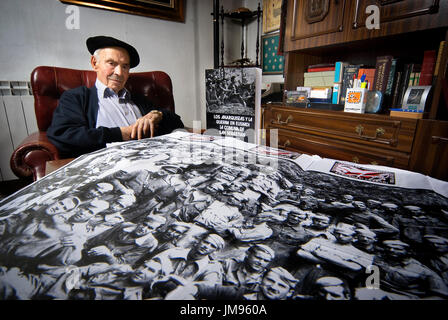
231, 91
177, 218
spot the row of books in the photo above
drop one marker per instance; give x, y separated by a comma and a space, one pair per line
390, 76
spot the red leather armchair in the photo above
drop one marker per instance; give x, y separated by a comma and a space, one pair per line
48, 83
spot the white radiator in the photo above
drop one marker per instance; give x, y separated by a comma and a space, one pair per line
17, 121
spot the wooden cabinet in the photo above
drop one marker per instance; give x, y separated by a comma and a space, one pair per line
326, 31
371, 139
317, 18
396, 16
316, 23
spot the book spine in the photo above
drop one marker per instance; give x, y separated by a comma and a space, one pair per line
320, 69
428, 64
382, 67
338, 69
411, 79
442, 49
336, 93
397, 85
406, 75
350, 73
390, 80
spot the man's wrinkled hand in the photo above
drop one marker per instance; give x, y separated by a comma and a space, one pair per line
144, 127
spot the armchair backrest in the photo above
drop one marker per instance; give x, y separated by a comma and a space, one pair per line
48, 84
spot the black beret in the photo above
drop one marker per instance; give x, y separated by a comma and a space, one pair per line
99, 42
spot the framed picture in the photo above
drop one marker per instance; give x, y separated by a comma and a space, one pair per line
272, 11
415, 98
271, 62
173, 10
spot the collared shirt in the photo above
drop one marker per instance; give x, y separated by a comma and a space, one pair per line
115, 110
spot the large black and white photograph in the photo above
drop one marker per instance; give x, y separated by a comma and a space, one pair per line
233, 98
175, 218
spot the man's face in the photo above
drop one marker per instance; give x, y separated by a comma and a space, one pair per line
395, 252
258, 260
273, 287
359, 205
61, 206
121, 204
146, 227
343, 236
332, 293
321, 223
365, 239
439, 245
146, 272
113, 66
175, 232
295, 217
206, 247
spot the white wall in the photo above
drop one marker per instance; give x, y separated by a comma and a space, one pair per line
232, 36
33, 32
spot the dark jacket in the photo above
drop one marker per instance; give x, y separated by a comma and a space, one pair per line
73, 128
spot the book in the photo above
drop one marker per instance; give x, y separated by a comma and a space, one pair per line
382, 70
336, 93
411, 79
321, 93
321, 67
315, 79
339, 70
369, 73
349, 75
428, 66
407, 70
441, 52
396, 90
388, 93
337, 84
233, 102
391, 78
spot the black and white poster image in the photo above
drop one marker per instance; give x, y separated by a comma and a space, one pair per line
174, 217
233, 99
230, 91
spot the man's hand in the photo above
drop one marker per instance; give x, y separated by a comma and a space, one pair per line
143, 127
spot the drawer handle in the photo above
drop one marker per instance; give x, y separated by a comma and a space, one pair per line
287, 143
288, 120
374, 163
360, 129
355, 159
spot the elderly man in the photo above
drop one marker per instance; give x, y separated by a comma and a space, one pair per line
88, 118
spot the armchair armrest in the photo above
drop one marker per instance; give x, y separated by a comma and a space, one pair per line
30, 157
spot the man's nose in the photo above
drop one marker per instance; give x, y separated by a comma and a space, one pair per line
118, 70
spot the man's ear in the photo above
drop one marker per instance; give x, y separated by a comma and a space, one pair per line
93, 62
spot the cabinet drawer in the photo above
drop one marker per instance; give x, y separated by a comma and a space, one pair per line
369, 130
329, 148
